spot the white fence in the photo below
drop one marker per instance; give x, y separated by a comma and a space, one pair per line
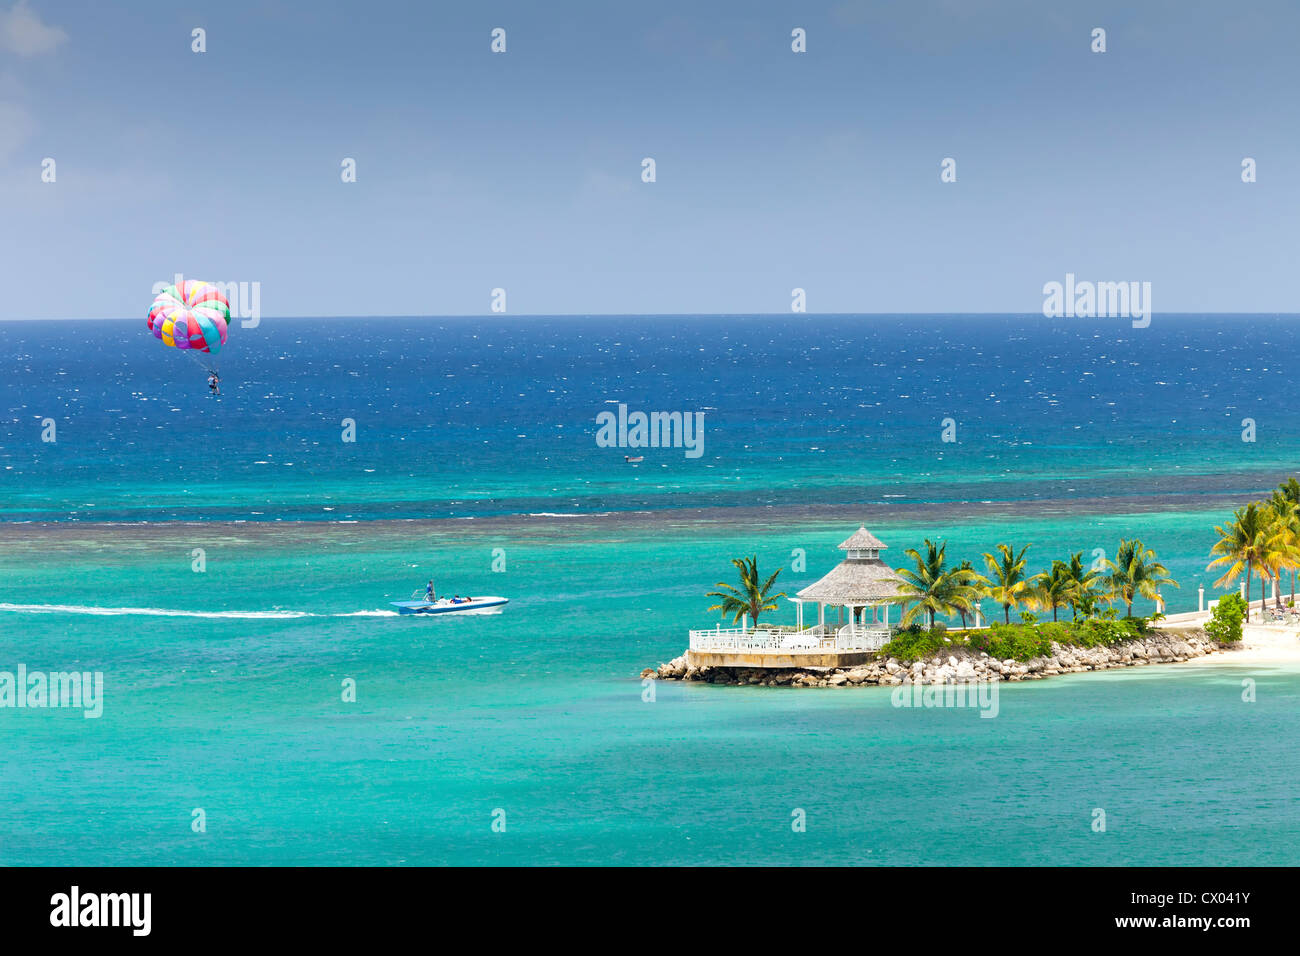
786, 640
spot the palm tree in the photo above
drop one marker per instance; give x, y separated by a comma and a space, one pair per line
1290, 489
1242, 546
932, 589
1052, 589
1083, 592
1286, 524
1136, 572
1272, 554
750, 598
1008, 585
978, 583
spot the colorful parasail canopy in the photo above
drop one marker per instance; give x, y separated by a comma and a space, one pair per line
191, 315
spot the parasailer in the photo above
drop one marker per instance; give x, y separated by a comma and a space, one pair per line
193, 316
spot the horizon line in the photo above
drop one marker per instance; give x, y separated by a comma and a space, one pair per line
652, 315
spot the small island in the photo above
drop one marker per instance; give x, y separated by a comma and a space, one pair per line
854, 642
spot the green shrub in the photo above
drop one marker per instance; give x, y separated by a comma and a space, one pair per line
1062, 632
1224, 624
1104, 632
1018, 641
913, 644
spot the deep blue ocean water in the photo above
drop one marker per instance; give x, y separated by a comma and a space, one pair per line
496, 416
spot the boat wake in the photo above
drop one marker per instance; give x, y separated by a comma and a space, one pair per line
169, 612
151, 612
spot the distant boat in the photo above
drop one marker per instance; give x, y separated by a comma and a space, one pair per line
448, 605
633, 461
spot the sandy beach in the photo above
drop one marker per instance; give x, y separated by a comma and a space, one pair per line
1260, 644
1266, 645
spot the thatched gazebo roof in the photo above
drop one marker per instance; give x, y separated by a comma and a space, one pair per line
856, 580
862, 540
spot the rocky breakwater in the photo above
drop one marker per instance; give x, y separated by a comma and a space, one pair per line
959, 665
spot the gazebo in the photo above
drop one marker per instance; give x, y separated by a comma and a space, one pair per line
862, 580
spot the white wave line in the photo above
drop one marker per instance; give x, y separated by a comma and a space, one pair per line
151, 612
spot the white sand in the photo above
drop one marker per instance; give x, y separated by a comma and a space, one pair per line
1260, 644
1272, 644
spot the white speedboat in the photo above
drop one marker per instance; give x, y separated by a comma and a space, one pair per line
448, 605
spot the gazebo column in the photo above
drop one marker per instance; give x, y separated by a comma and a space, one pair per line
821, 614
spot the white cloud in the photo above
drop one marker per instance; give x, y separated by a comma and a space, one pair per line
22, 32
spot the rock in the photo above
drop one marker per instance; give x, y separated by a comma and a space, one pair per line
960, 666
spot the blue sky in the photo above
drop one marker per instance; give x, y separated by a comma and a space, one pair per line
522, 170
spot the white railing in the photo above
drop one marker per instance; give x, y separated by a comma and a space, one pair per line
863, 638
784, 639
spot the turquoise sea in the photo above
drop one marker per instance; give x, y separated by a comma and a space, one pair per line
475, 447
